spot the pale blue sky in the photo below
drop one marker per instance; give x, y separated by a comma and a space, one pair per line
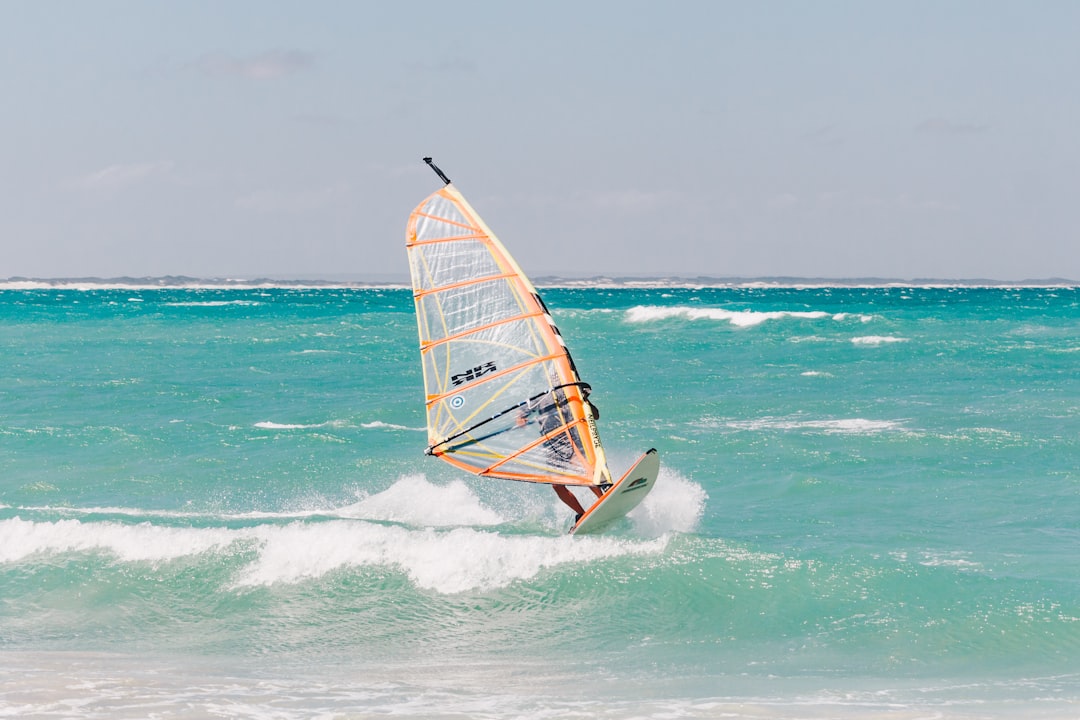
825, 139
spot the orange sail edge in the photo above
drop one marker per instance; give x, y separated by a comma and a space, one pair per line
493, 472
541, 479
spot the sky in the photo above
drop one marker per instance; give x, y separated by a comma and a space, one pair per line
245, 139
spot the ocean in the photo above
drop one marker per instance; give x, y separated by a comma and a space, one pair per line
214, 502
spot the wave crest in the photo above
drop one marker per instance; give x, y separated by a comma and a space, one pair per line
738, 318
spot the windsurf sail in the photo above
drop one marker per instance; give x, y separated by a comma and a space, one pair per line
502, 393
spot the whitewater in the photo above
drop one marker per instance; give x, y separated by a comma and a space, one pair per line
214, 502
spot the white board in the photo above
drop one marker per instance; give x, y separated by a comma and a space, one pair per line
623, 496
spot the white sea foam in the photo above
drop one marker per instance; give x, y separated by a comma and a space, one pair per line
861, 317
374, 425
877, 340
426, 546
130, 543
379, 424
212, 303
146, 515
414, 500
446, 561
287, 426
738, 318
675, 504
955, 559
843, 426
411, 500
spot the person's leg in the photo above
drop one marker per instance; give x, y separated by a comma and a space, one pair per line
568, 497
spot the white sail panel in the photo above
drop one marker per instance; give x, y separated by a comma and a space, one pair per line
502, 393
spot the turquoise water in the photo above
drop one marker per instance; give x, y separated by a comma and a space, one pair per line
214, 503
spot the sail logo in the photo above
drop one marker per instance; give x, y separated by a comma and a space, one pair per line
591, 422
473, 373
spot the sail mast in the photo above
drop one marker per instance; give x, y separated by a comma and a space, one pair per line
440, 173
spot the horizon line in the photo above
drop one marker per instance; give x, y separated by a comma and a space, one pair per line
394, 280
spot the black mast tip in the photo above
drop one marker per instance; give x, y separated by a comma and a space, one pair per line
438, 172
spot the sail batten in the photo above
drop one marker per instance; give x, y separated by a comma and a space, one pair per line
449, 239
425, 346
463, 283
502, 394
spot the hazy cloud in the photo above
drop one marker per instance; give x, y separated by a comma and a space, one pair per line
632, 200
941, 126
264, 66
783, 200
452, 65
321, 120
123, 175
906, 201
824, 136
298, 201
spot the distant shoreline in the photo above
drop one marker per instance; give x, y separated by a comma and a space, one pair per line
178, 282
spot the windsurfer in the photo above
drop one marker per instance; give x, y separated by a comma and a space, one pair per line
559, 447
